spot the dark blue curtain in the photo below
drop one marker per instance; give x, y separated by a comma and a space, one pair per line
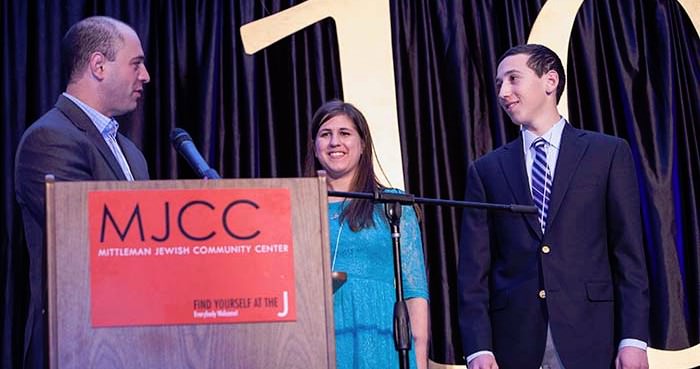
634, 71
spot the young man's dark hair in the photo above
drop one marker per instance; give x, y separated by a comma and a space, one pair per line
541, 59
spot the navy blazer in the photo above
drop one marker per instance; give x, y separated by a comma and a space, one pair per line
586, 275
63, 142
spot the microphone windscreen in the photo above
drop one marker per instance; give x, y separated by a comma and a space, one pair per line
178, 136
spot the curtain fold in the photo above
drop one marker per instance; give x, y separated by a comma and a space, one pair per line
633, 71
636, 77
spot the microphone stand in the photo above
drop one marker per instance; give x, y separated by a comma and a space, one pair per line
392, 207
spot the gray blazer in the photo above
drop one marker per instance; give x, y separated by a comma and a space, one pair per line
63, 142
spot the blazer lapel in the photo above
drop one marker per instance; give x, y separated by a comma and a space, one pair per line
133, 157
513, 166
571, 151
82, 121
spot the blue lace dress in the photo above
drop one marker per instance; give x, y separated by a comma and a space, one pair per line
363, 306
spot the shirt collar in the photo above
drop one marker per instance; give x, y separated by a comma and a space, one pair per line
111, 129
552, 136
105, 125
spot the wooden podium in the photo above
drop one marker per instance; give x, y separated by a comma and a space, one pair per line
306, 342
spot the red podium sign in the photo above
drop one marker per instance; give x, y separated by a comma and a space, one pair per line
191, 256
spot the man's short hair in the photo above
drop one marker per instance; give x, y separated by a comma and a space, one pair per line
541, 60
93, 34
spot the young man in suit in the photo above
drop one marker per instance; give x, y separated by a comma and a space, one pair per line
78, 140
566, 287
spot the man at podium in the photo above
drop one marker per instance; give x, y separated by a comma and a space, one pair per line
78, 140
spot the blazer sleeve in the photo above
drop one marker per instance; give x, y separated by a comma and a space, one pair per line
42, 151
627, 247
473, 270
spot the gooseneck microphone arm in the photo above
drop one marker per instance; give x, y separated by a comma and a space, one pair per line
408, 199
183, 144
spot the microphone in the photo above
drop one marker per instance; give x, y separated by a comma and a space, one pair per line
184, 145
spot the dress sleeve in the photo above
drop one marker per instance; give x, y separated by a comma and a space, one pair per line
412, 260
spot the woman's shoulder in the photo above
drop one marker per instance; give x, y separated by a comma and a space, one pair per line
401, 192
391, 190
336, 204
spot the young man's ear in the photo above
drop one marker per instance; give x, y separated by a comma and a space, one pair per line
552, 81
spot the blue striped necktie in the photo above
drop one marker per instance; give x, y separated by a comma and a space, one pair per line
541, 180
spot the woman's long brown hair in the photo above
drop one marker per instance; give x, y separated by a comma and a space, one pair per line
358, 212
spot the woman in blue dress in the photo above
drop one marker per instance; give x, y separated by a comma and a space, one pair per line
340, 143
